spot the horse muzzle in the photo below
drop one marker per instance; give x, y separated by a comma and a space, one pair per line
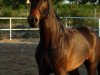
33, 21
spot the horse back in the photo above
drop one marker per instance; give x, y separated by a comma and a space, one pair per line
90, 35
93, 41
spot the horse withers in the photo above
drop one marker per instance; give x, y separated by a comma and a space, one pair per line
62, 50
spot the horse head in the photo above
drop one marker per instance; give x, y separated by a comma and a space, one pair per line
39, 9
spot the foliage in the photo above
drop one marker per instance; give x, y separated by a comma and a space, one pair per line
86, 1
79, 10
12, 12
76, 10
19, 8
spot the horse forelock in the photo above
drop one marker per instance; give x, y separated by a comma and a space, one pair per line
42, 6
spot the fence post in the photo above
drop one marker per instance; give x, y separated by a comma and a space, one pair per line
99, 26
10, 30
66, 23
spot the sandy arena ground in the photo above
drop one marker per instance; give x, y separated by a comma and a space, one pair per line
17, 58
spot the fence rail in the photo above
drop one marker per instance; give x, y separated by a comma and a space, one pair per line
24, 18
15, 29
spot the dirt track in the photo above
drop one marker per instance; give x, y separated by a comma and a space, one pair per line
18, 59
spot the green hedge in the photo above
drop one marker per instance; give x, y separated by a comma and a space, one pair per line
78, 10
69, 10
9, 11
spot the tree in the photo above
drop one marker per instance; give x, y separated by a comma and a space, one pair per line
13, 2
85, 1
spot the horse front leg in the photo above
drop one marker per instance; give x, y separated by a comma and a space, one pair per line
59, 71
98, 68
91, 67
43, 72
74, 72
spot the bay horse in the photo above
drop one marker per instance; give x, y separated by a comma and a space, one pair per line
98, 67
62, 50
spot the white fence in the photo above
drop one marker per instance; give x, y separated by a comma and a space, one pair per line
10, 25
12, 29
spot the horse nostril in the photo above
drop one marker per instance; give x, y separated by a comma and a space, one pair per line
30, 19
35, 20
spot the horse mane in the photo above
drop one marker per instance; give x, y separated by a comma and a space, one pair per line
60, 22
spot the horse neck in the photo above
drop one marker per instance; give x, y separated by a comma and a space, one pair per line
49, 28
